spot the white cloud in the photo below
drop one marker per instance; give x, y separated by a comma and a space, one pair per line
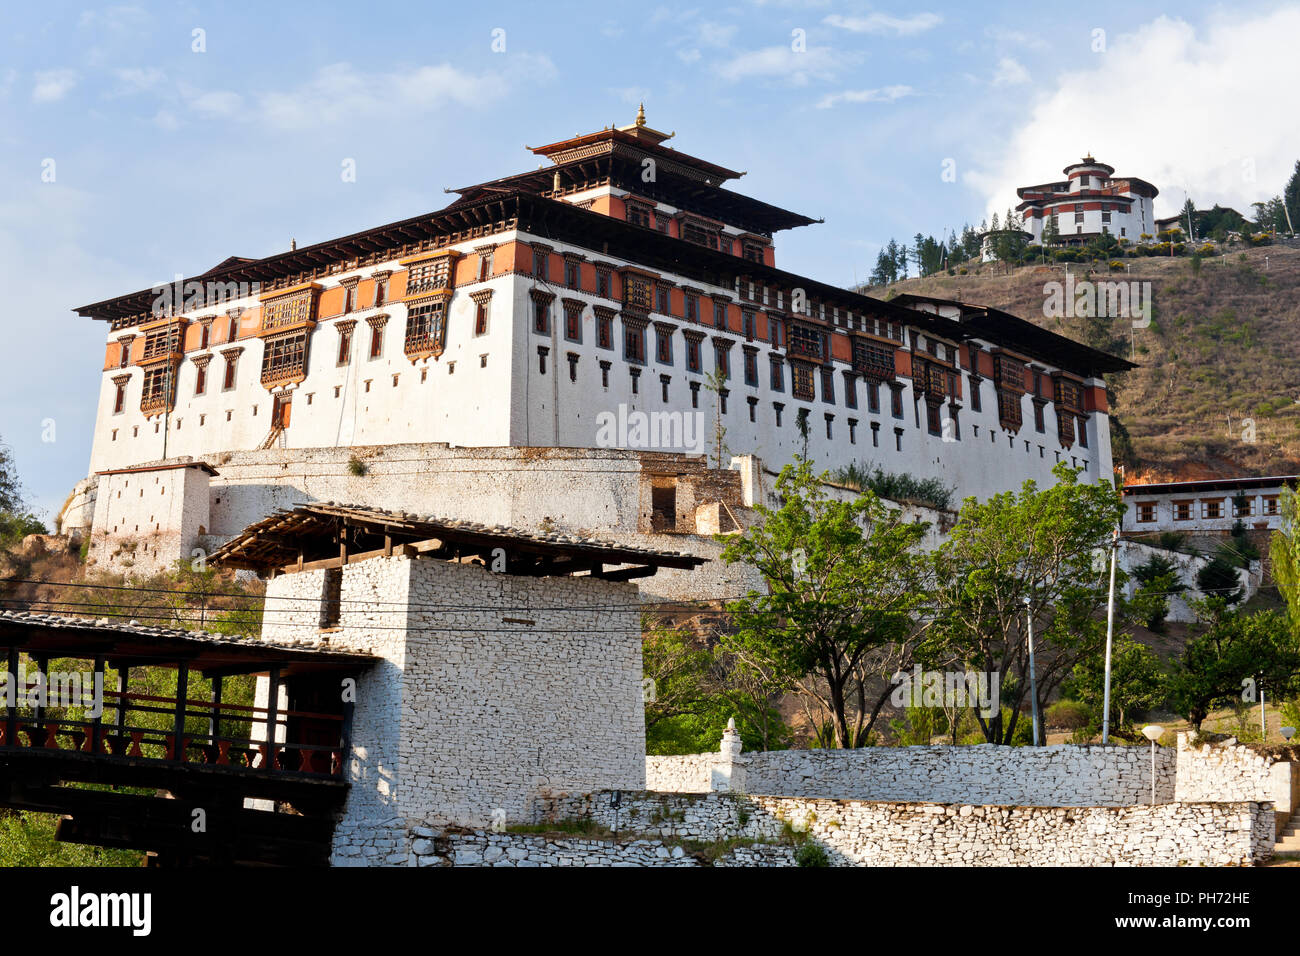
882, 23
217, 103
138, 80
340, 93
1213, 123
716, 34
815, 63
52, 85
1009, 73
1003, 37
885, 94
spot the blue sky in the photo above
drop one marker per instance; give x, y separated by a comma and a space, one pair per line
165, 158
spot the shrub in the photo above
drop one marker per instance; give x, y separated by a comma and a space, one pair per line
1116, 265
1219, 579
356, 467
1068, 715
896, 487
811, 854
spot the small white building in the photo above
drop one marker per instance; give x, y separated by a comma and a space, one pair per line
1206, 507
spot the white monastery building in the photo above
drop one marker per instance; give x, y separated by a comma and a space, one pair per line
1211, 506
590, 305
1091, 201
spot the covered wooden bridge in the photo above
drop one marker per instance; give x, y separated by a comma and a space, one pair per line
127, 766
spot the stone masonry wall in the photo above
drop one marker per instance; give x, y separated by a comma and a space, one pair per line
516, 686
1228, 771
1064, 775
491, 691
858, 833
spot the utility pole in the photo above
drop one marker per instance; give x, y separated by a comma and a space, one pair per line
1033, 677
1110, 633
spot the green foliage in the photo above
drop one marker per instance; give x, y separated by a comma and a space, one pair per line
16, 521
1172, 541
27, 839
918, 726
1219, 579
1068, 715
356, 467
695, 690
1284, 550
1137, 684
1236, 646
1023, 555
811, 854
895, 486
843, 582
1158, 578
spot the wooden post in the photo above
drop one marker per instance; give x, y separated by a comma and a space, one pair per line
178, 727
272, 715
11, 705
121, 699
97, 724
43, 669
214, 719
345, 728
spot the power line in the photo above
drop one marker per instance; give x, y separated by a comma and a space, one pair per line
196, 595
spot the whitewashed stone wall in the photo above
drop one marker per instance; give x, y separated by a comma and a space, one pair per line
506, 849
491, 691
146, 521
859, 833
1063, 775
1229, 771
495, 712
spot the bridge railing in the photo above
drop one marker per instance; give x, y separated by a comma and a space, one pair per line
200, 732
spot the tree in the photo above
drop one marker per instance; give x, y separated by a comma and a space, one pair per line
1039, 547
1291, 198
1188, 213
1136, 684
1219, 579
844, 581
1158, 579
883, 274
16, 520
1051, 235
1284, 549
716, 382
1238, 655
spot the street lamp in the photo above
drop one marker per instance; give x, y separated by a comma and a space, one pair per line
1152, 732
1288, 733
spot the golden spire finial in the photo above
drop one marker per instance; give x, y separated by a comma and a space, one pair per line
640, 115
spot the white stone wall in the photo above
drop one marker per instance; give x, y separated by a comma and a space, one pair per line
492, 690
858, 833
145, 521
1226, 771
1062, 775
495, 713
